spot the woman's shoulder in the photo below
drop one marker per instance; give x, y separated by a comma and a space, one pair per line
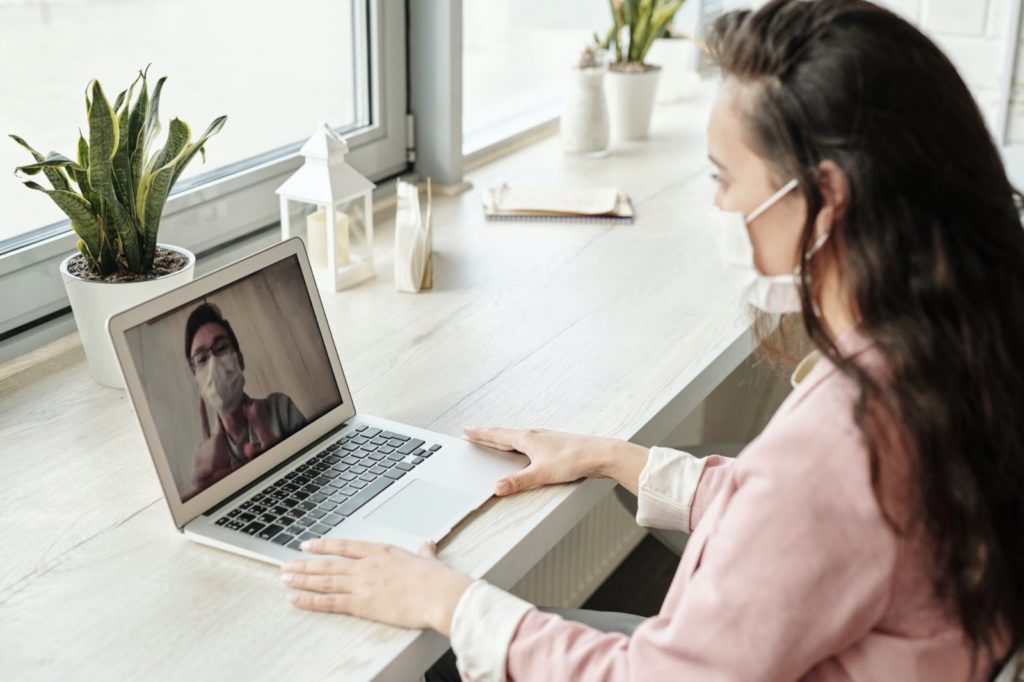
814, 445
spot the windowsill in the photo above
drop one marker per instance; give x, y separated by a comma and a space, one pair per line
482, 146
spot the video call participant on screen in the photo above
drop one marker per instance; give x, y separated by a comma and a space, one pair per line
246, 426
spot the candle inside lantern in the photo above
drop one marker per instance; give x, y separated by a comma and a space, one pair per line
316, 238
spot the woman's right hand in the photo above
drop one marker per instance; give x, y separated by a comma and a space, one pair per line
555, 457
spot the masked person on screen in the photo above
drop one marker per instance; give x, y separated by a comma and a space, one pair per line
246, 426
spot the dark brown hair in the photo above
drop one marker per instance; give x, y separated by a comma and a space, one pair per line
931, 251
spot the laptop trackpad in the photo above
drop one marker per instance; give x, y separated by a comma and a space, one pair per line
421, 508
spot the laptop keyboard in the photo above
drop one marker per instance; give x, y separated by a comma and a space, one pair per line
322, 492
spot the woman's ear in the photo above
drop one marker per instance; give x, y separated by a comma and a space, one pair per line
834, 194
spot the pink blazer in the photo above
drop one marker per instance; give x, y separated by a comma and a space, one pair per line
791, 571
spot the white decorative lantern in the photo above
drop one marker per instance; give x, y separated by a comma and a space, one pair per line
343, 252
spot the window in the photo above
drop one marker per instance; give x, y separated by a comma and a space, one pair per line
275, 69
516, 59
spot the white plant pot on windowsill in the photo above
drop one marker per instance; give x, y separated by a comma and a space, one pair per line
631, 101
93, 303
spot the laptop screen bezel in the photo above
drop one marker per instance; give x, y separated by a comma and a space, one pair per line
118, 326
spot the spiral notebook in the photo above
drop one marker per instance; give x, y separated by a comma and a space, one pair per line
558, 204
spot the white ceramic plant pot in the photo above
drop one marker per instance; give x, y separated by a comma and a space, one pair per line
631, 102
678, 59
92, 304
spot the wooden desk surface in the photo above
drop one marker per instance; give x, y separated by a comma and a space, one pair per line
611, 330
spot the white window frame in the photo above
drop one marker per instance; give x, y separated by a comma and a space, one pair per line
207, 216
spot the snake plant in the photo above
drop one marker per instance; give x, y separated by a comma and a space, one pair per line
643, 21
114, 191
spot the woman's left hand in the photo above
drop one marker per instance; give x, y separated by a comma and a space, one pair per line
378, 582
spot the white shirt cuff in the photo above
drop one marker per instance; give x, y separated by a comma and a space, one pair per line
668, 483
484, 622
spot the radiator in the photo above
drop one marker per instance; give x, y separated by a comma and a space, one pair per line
583, 559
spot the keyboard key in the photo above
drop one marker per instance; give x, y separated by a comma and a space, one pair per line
317, 497
270, 532
364, 496
290, 502
295, 544
396, 456
352, 489
315, 514
350, 447
253, 528
305, 506
266, 517
434, 448
279, 509
245, 517
418, 460
235, 524
393, 436
359, 440
234, 512
376, 456
371, 432
283, 538
257, 509
308, 536
361, 427
287, 520
379, 441
404, 466
410, 445
319, 528
358, 469
368, 477
358, 484
394, 474
350, 460
332, 519
222, 520
305, 522
377, 470
386, 449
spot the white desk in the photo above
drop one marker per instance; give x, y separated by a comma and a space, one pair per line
611, 330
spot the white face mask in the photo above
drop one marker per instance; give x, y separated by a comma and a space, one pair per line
770, 293
221, 381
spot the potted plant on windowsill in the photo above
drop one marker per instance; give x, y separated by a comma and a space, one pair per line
631, 82
114, 193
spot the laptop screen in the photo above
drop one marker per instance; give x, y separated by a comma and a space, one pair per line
233, 373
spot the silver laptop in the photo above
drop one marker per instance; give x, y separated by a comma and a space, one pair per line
251, 426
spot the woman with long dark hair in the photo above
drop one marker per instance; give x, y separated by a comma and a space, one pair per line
875, 529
